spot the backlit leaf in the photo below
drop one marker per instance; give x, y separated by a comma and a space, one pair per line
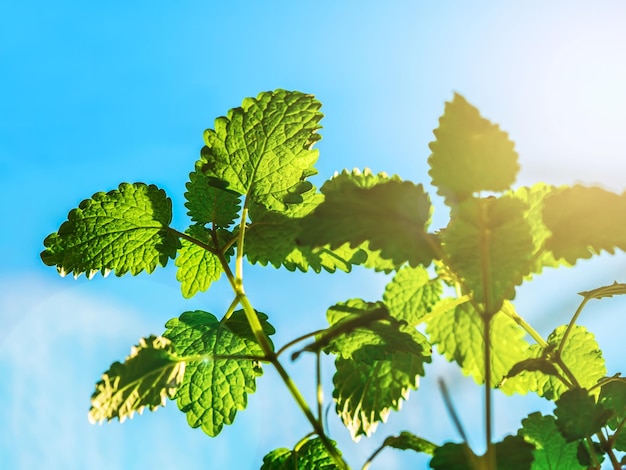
125, 230
393, 216
584, 221
470, 154
263, 149
534, 197
580, 354
271, 238
613, 397
214, 389
376, 365
490, 247
552, 451
411, 294
459, 336
149, 375
312, 455
407, 441
207, 203
197, 266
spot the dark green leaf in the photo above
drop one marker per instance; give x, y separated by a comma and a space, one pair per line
149, 375
312, 455
408, 441
552, 451
490, 248
263, 148
215, 387
613, 397
393, 216
584, 221
578, 414
271, 238
459, 335
207, 203
123, 230
452, 456
411, 294
470, 154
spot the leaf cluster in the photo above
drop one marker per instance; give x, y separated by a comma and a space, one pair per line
249, 198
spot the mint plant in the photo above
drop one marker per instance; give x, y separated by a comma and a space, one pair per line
249, 198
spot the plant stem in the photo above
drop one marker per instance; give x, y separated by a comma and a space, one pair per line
490, 455
571, 325
513, 315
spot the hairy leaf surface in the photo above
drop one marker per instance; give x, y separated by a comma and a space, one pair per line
312, 455
552, 451
215, 387
124, 230
393, 216
411, 294
263, 148
580, 354
208, 203
470, 154
149, 375
578, 414
584, 221
490, 247
458, 334
376, 365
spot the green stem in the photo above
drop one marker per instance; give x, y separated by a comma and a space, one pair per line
571, 325
297, 340
320, 390
195, 241
608, 450
490, 454
513, 315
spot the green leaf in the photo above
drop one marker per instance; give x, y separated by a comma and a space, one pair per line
197, 266
489, 245
123, 230
552, 451
271, 238
605, 291
458, 334
578, 414
207, 203
411, 294
513, 453
263, 148
452, 456
534, 197
393, 216
215, 386
149, 375
312, 455
584, 221
408, 441
613, 397
470, 154
580, 354
377, 365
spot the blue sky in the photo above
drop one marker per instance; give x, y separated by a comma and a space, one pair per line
94, 94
